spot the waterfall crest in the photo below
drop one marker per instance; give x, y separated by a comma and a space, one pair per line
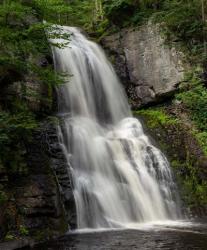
118, 176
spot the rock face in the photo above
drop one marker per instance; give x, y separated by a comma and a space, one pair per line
62, 173
149, 69
34, 204
36, 198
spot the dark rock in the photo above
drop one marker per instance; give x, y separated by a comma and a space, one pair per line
145, 94
38, 196
24, 243
62, 171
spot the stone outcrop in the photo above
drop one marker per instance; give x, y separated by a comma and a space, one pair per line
149, 69
62, 173
34, 204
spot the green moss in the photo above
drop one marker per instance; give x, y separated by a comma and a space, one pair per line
9, 237
193, 95
23, 230
193, 188
156, 117
202, 139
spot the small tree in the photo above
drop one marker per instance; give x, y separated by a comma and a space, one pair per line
99, 14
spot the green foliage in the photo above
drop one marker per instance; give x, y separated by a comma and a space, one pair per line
194, 97
24, 42
114, 5
82, 13
140, 16
193, 188
9, 237
119, 12
102, 28
23, 39
13, 125
202, 139
156, 117
182, 20
72, 13
130, 12
23, 231
13, 10
14, 130
12, 35
51, 10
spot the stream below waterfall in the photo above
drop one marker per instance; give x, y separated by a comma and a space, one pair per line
180, 236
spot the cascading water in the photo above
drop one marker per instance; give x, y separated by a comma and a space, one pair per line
119, 177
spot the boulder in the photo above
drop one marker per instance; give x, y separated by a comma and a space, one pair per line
149, 69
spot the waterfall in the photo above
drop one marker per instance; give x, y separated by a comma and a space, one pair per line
118, 176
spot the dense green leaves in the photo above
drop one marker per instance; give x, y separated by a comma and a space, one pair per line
119, 11
22, 34
13, 11
82, 13
13, 125
23, 42
15, 129
52, 10
182, 20
194, 98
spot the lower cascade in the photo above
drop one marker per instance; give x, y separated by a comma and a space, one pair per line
119, 178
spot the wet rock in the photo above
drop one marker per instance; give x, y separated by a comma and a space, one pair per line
62, 172
36, 199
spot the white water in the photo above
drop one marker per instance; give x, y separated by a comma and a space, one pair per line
119, 177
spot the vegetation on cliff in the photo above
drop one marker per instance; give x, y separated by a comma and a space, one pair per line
167, 123
27, 78
25, 58
182, 21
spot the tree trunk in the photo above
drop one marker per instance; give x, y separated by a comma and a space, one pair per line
204, 24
